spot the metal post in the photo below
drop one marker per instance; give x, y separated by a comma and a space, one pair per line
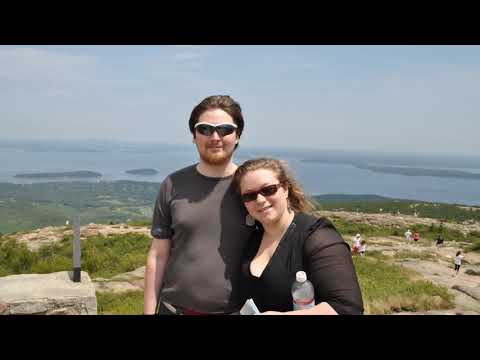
76, 251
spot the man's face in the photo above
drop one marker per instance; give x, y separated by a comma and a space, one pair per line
215, 149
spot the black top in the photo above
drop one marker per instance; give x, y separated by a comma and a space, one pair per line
326, 259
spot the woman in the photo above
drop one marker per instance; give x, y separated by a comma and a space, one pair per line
288, 240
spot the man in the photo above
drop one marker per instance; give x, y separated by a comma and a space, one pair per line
199, 222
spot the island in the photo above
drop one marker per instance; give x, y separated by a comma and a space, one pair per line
413, 171
142, 172
402, 170
57, 175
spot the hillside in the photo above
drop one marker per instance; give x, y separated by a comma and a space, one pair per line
396, 276
25, 207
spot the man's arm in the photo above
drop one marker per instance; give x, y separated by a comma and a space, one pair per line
154, 272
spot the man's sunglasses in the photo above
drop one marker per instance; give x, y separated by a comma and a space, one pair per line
221, 129
269, 190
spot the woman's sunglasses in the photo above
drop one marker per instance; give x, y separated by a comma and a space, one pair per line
221, 129
269, 190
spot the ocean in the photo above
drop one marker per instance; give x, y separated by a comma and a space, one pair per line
331, 173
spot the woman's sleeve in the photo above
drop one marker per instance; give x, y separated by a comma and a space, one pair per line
330, 268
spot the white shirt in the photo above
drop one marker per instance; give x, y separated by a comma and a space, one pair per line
363, 248
356, 241
458, 260
408, 234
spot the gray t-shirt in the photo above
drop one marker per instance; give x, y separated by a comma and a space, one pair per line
205, 219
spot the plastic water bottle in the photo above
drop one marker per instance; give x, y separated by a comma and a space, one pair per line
303, 293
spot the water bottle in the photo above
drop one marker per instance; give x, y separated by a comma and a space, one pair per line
303, 293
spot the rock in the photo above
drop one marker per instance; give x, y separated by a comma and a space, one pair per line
132, 275
388, 253
62, 311
133, 280
3, 308
53, 293
473, 292
115, 286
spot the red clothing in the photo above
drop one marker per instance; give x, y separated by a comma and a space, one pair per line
416, 236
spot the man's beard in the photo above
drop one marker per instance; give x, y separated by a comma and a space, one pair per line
217, 158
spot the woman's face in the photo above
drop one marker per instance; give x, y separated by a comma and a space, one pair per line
269, 207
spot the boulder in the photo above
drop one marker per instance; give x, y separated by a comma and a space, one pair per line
47, 294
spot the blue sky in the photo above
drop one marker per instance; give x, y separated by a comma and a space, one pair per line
382, 98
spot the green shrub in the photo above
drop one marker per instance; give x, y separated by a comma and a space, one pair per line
125, 303
474, 247
101, 256
389, 288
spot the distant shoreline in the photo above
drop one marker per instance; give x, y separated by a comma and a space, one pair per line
407, 171
59, 175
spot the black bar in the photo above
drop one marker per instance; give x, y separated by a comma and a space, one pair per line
76, 274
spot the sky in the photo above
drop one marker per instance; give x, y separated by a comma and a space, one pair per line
380, 98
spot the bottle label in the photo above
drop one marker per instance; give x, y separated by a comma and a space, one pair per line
303, 304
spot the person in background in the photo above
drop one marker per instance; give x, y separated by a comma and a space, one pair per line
408, 235
363, 248
458, 261
416, 236
287, 239
439, 240
199, 224
356, 243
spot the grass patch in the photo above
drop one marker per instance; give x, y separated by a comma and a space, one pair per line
388, 288
474, 247
428, 233
125, 303
140, 222
377, 254
403, 254
101, 256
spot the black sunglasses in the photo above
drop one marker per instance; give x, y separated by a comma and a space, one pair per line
221, 129
265, 191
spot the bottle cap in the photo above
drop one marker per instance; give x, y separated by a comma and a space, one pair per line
301, 276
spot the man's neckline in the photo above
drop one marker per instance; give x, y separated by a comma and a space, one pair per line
211, 177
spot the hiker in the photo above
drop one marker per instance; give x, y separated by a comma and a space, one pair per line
458, 261
416, 236
356, 243
288, 239
363, 248
439, 240
408, 235
199, 224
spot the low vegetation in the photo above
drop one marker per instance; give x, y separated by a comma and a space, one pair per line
474, 247
102, 256
373, 204
126, 303
388, 288
428, 233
